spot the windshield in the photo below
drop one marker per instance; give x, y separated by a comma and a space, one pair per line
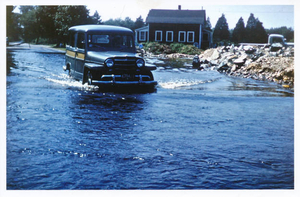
277, 40
110, 42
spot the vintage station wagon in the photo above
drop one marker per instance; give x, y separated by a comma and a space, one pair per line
106, 55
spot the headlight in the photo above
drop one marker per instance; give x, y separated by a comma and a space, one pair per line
140, 62
109, 63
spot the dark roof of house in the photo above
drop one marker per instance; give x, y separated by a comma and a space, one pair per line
176, 16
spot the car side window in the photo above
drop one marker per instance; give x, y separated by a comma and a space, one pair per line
71, 40
80, 41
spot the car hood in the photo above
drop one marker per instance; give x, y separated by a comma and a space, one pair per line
103, 55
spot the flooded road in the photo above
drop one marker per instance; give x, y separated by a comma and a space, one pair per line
199, 130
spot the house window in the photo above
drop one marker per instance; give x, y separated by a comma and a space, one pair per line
142, 36
181, 36
169, 36
158, 36
190, 36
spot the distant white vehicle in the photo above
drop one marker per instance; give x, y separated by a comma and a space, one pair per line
272, 39
278, 38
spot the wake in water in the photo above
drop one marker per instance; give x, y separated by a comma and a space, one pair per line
184, 83
65, 80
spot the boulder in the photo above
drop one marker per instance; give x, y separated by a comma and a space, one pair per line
215, 55
223, 66
249, 49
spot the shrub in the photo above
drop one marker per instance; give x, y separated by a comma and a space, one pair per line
176, 47
159, 48
190, 50
155, 47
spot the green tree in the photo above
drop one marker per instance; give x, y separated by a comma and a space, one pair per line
68, 16
139, 23
261, 35
250, 28
123, 23
207, 24
115, 22
26, 9
96, 18
221, 31
29, 22
128, 23
45, 19
12, 24
255, 32
238, 34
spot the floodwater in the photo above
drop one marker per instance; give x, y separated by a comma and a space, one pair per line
198, 130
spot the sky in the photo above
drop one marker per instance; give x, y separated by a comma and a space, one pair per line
271, 15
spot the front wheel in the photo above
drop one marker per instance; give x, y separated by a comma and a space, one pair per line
89, 78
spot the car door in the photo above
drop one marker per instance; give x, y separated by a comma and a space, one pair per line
80, 54
71, 52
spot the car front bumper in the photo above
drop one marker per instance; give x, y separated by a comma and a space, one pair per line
115, 80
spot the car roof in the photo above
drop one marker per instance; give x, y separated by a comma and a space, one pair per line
103, 28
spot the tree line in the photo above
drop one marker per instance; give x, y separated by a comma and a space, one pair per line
252, 32
50, 24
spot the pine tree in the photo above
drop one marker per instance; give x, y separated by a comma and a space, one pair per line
207, 24
238, 34
260, 33
255, 32
221, 31
250, 28
96, 18
139, 23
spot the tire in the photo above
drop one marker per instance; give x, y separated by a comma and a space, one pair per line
89, 78
150, 75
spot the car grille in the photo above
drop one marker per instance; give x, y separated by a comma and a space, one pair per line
125, 62
126, 77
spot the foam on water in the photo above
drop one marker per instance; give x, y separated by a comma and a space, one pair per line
182, 83
65, 80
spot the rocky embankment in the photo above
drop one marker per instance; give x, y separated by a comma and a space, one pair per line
257, 62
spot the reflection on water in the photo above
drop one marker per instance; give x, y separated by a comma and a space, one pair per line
10, 64
261, 88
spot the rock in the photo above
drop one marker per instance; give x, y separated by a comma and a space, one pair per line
215, 55
274, 63
276, 47
231, 58
214, 62
223, 66
204, 61
234, 68
196, 62
241, 60
249, 49
204, 67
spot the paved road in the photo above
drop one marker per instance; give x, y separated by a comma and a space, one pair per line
37, 48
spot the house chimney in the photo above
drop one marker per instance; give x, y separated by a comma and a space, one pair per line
179, 7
